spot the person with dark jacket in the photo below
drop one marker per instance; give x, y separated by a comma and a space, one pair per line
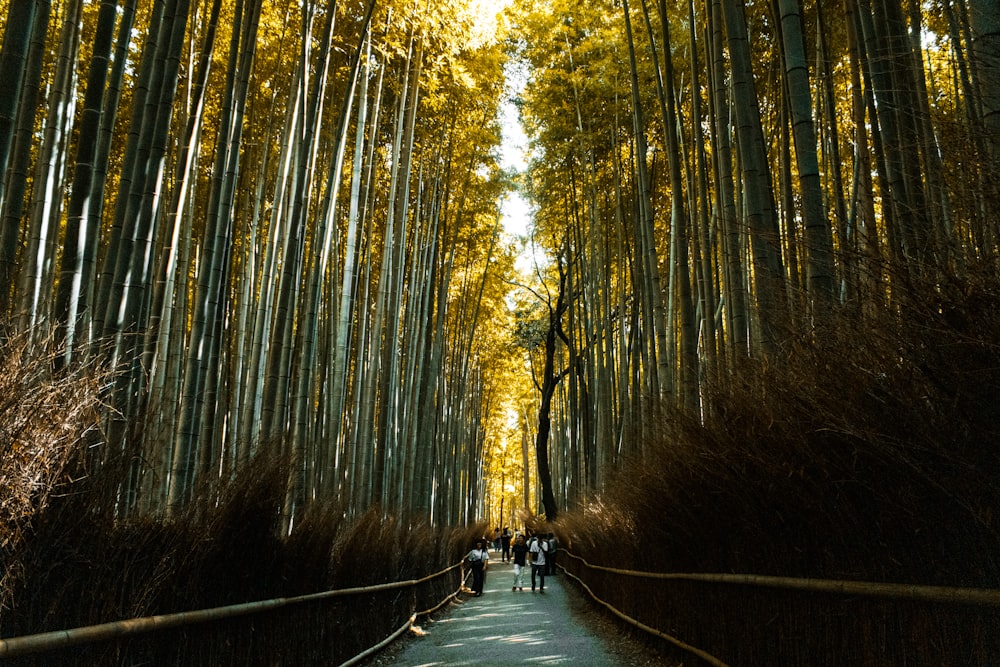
550, 557
520, 554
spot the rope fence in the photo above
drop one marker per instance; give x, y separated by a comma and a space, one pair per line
49, 641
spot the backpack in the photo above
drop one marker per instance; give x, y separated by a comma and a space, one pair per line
543, 547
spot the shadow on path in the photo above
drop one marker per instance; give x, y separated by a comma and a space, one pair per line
505, 627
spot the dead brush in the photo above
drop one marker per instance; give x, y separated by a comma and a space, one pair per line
867, 452
46, 416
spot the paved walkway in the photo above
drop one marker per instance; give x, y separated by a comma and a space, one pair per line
503, 627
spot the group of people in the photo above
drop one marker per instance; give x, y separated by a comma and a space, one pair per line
521, 549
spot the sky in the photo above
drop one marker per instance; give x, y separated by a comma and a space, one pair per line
513, 155
515, 211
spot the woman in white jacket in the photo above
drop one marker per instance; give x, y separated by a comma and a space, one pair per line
477, 560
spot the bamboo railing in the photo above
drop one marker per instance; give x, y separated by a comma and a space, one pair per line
948, 594
57, 639
912, 592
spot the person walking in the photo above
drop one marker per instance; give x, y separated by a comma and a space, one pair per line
520, 554
505, 545
477, 560
550, 557
538, 549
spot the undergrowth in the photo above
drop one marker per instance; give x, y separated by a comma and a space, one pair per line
45, 420
82, 567
69, 559
868, 452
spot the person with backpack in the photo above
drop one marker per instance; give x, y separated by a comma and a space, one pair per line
538, 549
477, 560
520, 553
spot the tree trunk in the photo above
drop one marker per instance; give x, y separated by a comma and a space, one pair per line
550, 381
819, 241
660, 357
274, 415
984, 17
20, 70
758, 191
37, 274
71, 298
735, 285
202, 363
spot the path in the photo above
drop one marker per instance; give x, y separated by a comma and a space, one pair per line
504, 627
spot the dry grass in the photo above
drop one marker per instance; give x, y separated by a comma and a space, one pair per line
45, 419
869, 455
69, 559
80, 569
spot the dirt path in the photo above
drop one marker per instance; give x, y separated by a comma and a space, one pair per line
505, 627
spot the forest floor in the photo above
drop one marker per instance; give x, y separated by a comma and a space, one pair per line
503, 627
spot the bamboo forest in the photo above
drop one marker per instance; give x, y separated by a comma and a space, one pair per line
700, 287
